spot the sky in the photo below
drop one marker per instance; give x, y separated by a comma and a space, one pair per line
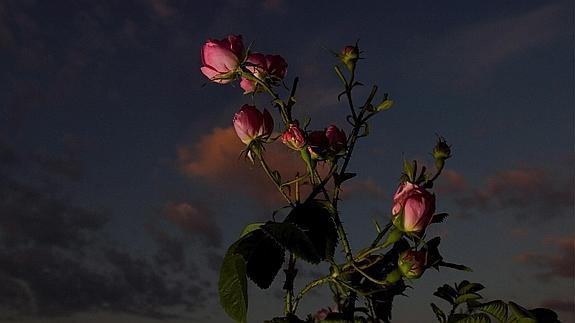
121, 184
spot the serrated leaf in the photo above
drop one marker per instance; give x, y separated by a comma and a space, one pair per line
438, 313
439, 217
315, 218
263, 256
470, 288
544, 315
447, 293
466, 298
232, 287
251, 227
497, 309
292, 238
521, 314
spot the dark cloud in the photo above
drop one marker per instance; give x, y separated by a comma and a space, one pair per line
194, 220
552, 264
57, 258
525, 192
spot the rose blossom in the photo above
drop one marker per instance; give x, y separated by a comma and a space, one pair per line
251, 124
327, 143
413, 207
293, 137
221, 58
272, 67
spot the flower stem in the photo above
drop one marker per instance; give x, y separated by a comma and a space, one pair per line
271, 176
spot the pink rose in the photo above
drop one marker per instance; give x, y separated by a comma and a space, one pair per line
251, 124
412, 263
293, 137
271, 68
413, 207
221, 58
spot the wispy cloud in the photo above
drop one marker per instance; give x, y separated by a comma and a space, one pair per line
561, 264
194, 220
216, 158
526, 192
472, 53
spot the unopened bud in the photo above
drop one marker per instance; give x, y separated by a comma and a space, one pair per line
349, 56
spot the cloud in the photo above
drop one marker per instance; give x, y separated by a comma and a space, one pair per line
162, 8
364, 188
194, 220
216, 158
526, 192
548, 265
274, 6
474, 52
57, 258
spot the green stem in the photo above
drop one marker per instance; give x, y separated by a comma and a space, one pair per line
269, 173
290, 273
313, 284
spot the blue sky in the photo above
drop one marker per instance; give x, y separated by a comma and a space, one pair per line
120, 168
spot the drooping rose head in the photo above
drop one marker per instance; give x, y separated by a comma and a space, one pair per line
268, 68
318, 144
221, 58
412, 263
327, 144
251, 124
293, 137
336, 139
413, 208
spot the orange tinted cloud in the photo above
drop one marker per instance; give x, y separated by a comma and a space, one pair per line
194, 220
216, 158
558, 265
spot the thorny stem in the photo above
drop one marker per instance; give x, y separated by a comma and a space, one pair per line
309, 287
290, 273
270, 175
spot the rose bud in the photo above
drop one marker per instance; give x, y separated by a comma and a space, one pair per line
349, 56
412, 263
441, 152
293, 137
251, 124
318, 144
413, 208
267, 68
336, 139
221, 58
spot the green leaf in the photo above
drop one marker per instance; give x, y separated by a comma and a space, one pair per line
292, 238
544, 315
264, 257
521, 314
408, 170
439, 217
251, 227
344, 177
232, 287
475, 318
467, 297
470, 288
447, 293
455, 266
315, 218
497, 309
438, 313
